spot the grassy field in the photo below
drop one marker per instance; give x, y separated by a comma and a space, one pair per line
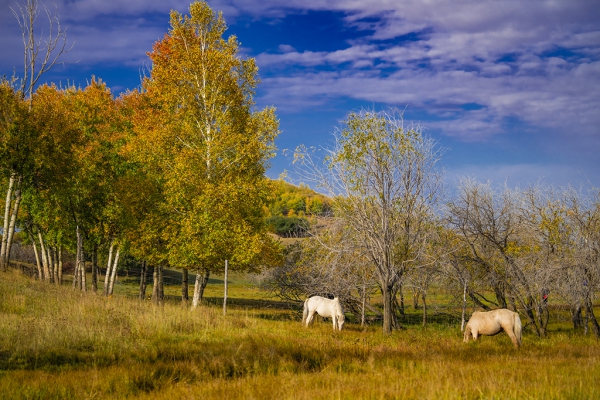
60, 343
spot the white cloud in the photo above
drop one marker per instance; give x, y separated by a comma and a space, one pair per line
456, 61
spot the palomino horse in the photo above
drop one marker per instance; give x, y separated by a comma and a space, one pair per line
325, 308
493, 322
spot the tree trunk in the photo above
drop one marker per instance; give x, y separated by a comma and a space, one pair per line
225, 289
199, 286
13, 220
143, 274
363, 306
203, 281
108, 267
113, 273
60, 266
464, 307
415, 299
592, 318
95, 269
576, 317
55, 264
196, 296
7, 207
161, 287
184, 286
389, 317
155, 285
527, 307
402, 313
50, 263
35, 252
423, 297
81, 261
76, 271
44, 257
542, 317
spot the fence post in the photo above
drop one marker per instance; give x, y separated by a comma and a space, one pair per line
225, 294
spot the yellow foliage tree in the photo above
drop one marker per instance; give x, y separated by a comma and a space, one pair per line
202, 139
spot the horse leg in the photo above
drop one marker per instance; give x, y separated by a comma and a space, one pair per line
512, 336
309, 318
304, 312
467, 334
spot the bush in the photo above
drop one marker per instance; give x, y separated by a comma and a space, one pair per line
288, 226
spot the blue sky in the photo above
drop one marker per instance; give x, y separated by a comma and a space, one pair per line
510, 88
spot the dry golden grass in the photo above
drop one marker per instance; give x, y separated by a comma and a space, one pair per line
59, 343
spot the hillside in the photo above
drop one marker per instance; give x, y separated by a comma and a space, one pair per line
293, 209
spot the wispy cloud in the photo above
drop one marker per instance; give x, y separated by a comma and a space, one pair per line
532, 61
472, 69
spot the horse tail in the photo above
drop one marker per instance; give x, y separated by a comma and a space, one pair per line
305, 311
518, 328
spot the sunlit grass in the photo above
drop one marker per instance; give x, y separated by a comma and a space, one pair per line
60, 343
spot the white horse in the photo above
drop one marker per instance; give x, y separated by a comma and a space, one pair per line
493, 322
325, 308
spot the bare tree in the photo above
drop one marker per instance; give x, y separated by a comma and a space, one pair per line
582, 276
510, 235
40, 52
385, 180
328, 263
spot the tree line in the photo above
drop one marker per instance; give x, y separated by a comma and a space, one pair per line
172, 173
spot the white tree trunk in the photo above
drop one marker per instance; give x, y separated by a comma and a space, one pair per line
51, 263
113, 273
44, 257
81, 261
76, 272
108, 267
38, 264
60, 266
3, 248
196, 298
13, 221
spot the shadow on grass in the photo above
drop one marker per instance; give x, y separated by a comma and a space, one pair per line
254, 303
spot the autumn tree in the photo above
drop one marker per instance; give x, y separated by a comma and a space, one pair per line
44, 216
385, 180
205, 146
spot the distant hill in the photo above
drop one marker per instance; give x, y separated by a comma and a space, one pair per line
293, 208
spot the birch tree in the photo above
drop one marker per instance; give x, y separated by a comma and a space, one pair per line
205, 145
